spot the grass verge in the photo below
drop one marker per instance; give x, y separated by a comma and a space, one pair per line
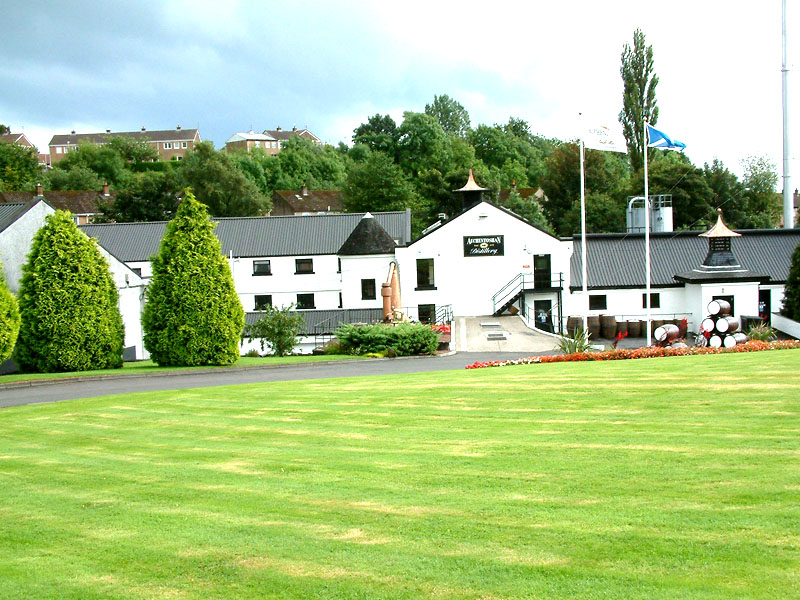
145, 367
673, 478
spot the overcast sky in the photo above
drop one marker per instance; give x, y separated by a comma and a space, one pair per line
228, 66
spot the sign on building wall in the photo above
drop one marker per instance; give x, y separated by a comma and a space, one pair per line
484, 245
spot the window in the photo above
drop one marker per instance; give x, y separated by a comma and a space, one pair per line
303, 266
339, 266
183, 144
427, 313
137, 271
340, 299
262, 302
655, 300
261, 267
425, 280
305, 301
58, 149
368, 289
597, 302
167, 145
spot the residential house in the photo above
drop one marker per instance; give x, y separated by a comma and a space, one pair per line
171, 144
83, 204
22, 140
306, 202
282, 135
245, 142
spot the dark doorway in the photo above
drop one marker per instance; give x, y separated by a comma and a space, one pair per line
543, 315
765, 305
541, 271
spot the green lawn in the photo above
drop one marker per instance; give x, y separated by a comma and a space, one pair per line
664, 479
145, 367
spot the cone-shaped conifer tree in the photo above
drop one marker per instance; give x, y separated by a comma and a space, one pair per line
68, 303
9, 319
193, 315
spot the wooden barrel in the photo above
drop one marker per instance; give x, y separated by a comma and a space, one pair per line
658, 323
622, 327
728, 324
573, 324
634, 329
608, 326
729, 341
708, 324
715, 341
643, 328
719, 308
594, 327
666, 333
740, 337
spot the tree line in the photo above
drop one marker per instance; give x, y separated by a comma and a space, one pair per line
417, 164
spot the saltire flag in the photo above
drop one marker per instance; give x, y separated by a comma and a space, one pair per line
659, 139
604, 138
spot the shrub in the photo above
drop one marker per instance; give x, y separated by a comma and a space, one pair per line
761, 332
193, 315
278, 328
406, 339
9, 319
579, 342
68, 303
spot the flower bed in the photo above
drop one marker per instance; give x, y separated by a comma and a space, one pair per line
646, 352
442, 329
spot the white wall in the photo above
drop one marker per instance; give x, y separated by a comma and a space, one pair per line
16, 239
469, 282
131, 301
626, 305
356, 268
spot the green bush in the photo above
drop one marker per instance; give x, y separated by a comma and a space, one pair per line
192, 314
68, 303
576, 343
9, 319
278, 328
406, 339
791, 298
761, 332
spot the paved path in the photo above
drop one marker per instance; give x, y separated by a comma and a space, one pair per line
57, 390
500, 334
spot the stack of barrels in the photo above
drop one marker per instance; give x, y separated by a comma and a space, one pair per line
720, 328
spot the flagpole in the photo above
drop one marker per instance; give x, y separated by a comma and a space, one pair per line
585, 274
646, 234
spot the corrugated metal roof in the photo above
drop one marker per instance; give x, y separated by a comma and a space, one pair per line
12, 211
617, 260
252, 236
164, 135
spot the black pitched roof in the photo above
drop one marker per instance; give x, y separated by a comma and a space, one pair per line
368, 237
618, 261
295, 235
164, 135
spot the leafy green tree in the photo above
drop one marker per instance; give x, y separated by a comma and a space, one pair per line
19, 167
302, 162
219, 185
150, 196
421, 143
378, 133
70, 319
4, 129
605, 173
104, 160
377, 184
9, 319
277, 328
192, 314
791, 297
452, 116
132, 150
529, 209
727, 193
764, 204
638, 96
76, 178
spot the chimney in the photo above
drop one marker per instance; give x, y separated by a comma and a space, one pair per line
108, 131
143, 129
513, 185
294, 128
73, 132
105, 189
39, 189
304, 190
278, 128
178, 128
471, 193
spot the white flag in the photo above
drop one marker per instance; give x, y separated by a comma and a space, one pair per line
604, 138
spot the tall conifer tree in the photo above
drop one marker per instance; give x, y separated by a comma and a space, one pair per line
638, 95
9, 319
193, 315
